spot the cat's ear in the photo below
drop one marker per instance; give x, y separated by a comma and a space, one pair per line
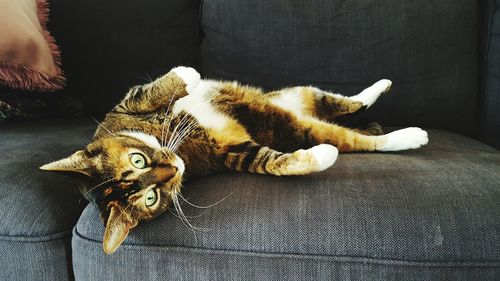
118, 225
79, 162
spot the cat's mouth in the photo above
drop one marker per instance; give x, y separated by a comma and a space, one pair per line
167, 172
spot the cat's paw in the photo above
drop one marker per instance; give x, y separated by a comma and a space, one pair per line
189, 75
375, 129
384, 85
369, 95
409, 138
324, 154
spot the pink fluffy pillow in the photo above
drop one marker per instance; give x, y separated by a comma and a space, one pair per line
29, 57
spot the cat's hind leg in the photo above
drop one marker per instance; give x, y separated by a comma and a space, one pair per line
254, 158
369, 95
347, 140
311, 101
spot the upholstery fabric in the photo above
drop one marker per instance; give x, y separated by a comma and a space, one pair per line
38, 209
429, 214
110, 46
29, 57
490, 102
47, 258
428, 49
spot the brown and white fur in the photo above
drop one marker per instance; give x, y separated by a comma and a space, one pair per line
181, 126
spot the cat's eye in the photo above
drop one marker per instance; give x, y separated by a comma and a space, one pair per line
151, 198
138, 160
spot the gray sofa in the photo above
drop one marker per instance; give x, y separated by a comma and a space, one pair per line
428, 214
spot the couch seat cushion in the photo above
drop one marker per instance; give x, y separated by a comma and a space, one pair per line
38, 209
434, 212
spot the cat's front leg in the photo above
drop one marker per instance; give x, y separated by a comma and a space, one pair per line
164, 91
189, 76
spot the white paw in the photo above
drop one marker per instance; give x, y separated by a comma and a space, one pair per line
324, 154
409, 138
189, 75
369, 95
383, 85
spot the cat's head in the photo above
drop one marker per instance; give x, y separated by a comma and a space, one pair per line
136, 180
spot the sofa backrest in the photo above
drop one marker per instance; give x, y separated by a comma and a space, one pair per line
109, 46
428, 49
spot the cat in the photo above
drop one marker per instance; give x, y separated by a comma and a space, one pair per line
180, 126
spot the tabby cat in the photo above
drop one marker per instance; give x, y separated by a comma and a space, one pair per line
180, 126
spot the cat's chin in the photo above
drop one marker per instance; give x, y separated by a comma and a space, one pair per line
179, 163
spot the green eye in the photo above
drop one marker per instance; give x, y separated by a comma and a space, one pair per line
138, 160
151, 198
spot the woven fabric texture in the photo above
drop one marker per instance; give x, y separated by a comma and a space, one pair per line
427, 213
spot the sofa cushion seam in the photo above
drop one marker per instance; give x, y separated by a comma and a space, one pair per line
328, 258
36, 239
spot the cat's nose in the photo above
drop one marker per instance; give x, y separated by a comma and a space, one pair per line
165, 173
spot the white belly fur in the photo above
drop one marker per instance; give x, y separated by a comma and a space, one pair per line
290, 100
197, 104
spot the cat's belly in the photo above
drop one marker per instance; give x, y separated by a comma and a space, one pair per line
222, 128
198, 105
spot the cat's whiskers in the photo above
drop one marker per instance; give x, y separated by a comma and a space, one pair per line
163, 133
183, 121
187, 125
181, 140
176, 133
165, 144
171, 117
204, 207
100, 124
179, 131
189, 128
168, 128
183, 217
149, 77
163, 137
146, 79
191, 217
162, 127
176, 130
